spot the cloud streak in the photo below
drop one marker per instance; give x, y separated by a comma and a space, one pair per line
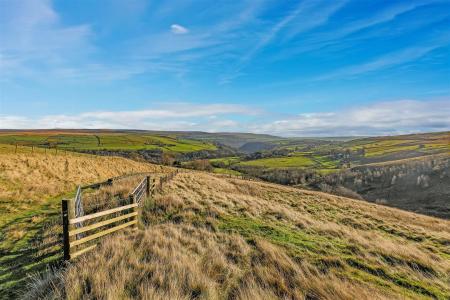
308, 21
389, 60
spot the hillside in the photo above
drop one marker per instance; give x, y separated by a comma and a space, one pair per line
420, 184
211, 237
32, 185
102, 140
408, 171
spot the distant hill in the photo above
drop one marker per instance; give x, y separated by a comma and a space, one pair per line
158, 147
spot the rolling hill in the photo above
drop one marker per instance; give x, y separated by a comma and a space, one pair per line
103, 140
210, 237
335, 165
207, 236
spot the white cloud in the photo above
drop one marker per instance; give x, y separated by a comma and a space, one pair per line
178, 29
34, 40
180, 116
395, 117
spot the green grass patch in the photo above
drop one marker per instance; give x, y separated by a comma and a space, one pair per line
226, 161
298, 242
23, 249
282, 162
296, 160
226, 171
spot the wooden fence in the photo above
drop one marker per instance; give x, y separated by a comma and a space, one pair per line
78, 236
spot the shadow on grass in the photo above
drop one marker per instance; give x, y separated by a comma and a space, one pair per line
36, 251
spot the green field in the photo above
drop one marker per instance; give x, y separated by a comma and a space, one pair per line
227, 161
226, 171
71, 140
295, 160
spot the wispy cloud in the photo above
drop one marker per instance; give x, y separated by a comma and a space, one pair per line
314, 14
340, 34
34, 40
307, 21
383, 16
178, 29
388, 60
394, 117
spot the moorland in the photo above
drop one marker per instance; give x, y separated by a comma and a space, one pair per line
410, 172
210, 236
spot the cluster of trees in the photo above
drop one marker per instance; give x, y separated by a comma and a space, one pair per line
199, 164
159, 156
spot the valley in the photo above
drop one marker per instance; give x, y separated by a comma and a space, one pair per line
219, 236
409, 171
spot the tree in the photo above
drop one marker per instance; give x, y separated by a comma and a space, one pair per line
167, 159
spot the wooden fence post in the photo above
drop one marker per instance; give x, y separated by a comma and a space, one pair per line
65, 220
147, 190
153, 186
132, 201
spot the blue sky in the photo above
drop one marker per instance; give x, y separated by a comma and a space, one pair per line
292, 68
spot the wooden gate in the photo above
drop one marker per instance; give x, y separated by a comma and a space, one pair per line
76, 234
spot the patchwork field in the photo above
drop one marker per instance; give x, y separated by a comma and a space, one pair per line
415, 145
331, 156
208, 237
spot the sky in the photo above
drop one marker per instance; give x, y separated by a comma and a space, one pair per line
289, 68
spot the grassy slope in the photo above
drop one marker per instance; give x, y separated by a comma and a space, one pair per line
210, 237
32, 185
104, 140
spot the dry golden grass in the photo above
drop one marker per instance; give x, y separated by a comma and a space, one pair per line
208, 237
39, 175
32, 184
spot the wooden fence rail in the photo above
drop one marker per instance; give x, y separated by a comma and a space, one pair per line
77, 233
